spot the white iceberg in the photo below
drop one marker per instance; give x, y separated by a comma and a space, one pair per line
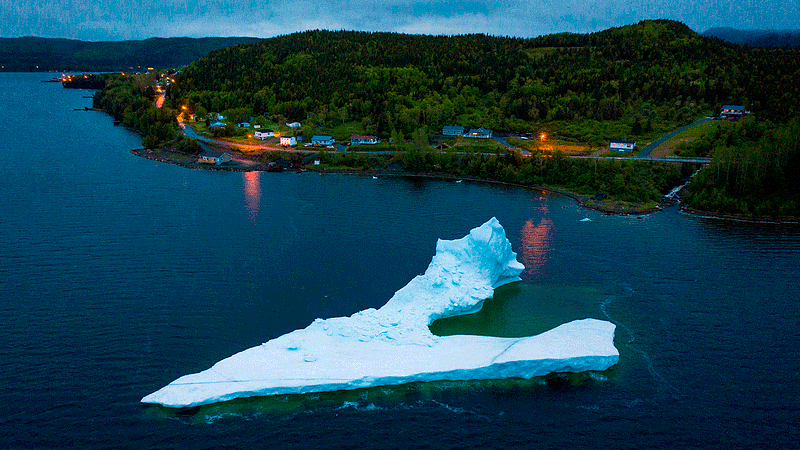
393, 345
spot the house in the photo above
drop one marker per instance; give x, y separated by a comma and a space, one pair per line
243, 124
322, 140
216, 124
732, 112
263, 133
288, 141
622, 146
364, 140
480, 133
293, 124
213, 157
452, 131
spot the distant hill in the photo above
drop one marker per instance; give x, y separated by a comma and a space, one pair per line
623, 81
757, 38
33, 54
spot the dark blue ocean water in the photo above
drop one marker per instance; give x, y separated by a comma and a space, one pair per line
120, 274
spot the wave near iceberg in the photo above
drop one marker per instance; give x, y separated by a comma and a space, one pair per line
393, 345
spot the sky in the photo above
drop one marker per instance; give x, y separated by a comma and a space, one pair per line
104, 20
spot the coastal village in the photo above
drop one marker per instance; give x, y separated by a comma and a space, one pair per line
252, 134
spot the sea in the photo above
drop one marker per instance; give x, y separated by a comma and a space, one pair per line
119, 274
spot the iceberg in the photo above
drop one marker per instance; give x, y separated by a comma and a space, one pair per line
393, 345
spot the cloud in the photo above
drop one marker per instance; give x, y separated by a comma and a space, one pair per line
139, 19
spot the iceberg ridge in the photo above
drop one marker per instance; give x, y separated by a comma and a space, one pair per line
393, 344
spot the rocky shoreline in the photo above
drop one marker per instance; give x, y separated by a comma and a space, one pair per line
243, 164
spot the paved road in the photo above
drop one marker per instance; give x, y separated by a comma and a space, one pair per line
502, 141
645, 152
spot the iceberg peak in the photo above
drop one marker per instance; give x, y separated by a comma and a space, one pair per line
393, 344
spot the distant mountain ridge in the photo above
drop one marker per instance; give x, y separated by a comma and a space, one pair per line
34, 54
757, 38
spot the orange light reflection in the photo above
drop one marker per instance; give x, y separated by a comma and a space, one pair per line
537, 242
252, 193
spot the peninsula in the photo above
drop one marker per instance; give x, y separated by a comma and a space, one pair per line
565, 111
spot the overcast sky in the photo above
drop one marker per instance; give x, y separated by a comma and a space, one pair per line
95, 20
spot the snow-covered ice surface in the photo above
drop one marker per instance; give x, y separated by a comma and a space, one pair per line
393, 345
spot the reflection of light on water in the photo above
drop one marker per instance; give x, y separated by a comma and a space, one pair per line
252, 193
537, 241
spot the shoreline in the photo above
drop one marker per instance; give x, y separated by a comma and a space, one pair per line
583, 201
617, 208
734, 218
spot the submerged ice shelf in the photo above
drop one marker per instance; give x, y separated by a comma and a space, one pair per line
393, 345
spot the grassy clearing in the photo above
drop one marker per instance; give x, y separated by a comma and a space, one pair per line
553, 146
668, 148
475, 145
382, 147
343, 131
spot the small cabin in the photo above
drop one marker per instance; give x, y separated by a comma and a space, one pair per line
452, 131
212, 157
216, 124
293, 124
364, 140
288, 141
622, 146
479, 133
264, 133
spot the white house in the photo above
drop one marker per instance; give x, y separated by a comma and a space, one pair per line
622, 146
293, 124
479, 133
264, 133
322, 140
288, 141
364, 140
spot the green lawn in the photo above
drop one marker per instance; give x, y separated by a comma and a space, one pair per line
668, 148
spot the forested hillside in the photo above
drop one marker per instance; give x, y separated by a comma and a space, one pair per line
32, 54
621, 82
636, 82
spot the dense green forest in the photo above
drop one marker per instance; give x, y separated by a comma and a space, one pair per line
130, 99
755, 171
647, 77
33, 54
636, 82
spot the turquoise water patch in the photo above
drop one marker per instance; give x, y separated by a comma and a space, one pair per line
519, 310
